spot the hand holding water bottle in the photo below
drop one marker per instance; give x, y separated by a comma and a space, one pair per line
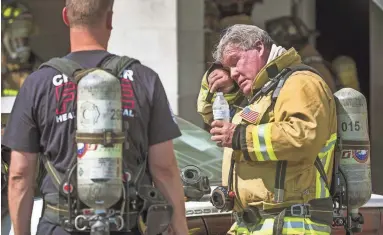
222, 130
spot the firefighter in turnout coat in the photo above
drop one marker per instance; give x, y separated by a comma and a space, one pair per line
279, 138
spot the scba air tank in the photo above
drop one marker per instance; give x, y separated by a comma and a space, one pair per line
354, 145
99, 167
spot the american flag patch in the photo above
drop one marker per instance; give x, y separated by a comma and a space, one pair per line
249, 115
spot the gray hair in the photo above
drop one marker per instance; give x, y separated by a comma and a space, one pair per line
242, 36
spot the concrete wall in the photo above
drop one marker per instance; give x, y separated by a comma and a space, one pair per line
190, 57
376, 101
166, 35
269, 9
274, 8
147, 30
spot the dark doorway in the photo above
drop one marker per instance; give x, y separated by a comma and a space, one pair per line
344, 30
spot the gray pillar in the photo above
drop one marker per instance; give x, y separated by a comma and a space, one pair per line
376, 100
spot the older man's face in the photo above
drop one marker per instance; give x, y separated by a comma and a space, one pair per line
245, 65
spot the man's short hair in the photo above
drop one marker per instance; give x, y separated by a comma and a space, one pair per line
87, 12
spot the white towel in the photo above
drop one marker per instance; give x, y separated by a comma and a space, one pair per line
275, 52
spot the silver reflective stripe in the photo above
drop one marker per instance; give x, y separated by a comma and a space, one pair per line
328, 146
295, 225
323, 160
278, 195
262, 142
322, 188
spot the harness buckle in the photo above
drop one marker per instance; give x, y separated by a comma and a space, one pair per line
300, 210
108, 138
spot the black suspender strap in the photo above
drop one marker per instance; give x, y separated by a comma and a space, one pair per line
319, 166
279, 188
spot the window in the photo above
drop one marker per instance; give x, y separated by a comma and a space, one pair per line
196, 148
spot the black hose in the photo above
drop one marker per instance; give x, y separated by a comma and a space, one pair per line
231, 175
69, 193
348, 223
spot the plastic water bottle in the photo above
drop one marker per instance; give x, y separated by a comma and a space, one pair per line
221, 109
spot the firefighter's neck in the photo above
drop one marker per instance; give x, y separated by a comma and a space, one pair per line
83, 39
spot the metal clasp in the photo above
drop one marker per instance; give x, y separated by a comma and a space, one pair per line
108, 138
300, 210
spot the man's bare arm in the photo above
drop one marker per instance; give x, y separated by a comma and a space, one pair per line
20, 190
166, 177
